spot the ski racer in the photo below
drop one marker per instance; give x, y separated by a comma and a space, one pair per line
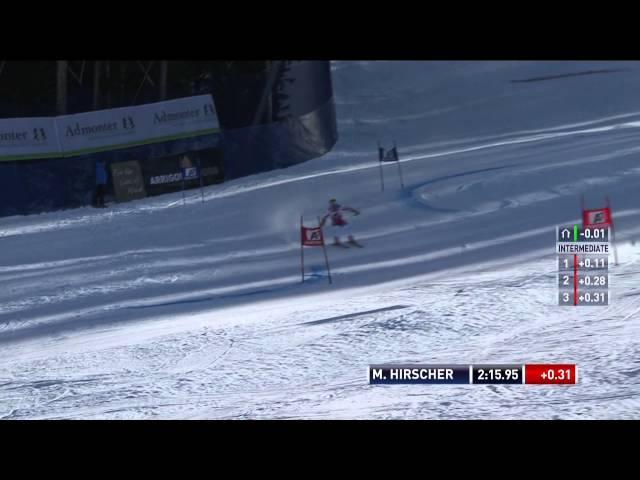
338, 222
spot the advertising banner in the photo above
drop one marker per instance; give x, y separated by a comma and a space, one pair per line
124, 127
167, 174
30, 138
103, 130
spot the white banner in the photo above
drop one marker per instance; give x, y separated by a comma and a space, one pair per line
28, 138
139, 125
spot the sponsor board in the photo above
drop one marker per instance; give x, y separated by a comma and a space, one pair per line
30, 138
188, 170
103, 130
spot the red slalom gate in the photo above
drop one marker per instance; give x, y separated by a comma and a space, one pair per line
600, 217
312, 237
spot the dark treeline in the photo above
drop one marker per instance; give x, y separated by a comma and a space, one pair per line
29, 88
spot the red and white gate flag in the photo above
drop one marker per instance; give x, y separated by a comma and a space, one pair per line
600, 217
312, 237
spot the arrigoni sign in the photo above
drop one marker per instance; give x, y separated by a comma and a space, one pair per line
102, 130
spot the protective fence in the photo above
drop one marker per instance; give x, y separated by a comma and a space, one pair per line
50, 163
298, 120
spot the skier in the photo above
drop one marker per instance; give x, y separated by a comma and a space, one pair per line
336, 212
101, 184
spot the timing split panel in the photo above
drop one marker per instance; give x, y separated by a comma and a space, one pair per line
583, 265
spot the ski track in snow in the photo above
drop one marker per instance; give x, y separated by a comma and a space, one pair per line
158, 310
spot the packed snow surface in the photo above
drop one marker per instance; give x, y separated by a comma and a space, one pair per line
159, 309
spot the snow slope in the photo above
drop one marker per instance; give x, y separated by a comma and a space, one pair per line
155, 309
